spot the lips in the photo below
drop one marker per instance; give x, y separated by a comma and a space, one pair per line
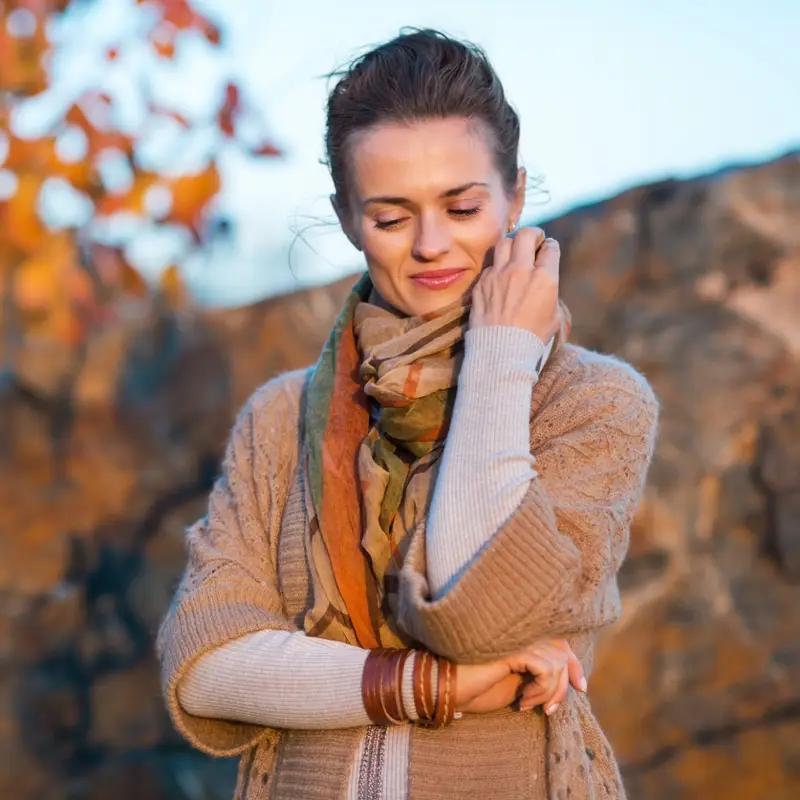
438, 273
437, 278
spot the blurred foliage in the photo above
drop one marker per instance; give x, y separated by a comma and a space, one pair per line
65, 282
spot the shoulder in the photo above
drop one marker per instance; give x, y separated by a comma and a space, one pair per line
579, 369
592, 385
279, 395
271, 414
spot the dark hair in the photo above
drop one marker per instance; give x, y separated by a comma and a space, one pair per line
421, 74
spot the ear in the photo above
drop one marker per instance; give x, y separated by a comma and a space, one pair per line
518, 202
346, 222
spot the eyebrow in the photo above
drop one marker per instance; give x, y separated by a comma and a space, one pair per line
400, 201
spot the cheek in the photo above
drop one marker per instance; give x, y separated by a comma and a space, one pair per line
384, 253
482, 233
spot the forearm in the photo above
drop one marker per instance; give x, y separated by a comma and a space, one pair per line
283, 680
487, 465
550, 569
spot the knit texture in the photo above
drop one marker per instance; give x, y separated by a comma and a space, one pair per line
549, 571
272, 677
486, 466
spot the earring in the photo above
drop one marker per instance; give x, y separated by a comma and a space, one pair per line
511, 226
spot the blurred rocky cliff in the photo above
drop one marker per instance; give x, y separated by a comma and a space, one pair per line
695, 282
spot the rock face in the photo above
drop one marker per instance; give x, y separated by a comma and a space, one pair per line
697, 283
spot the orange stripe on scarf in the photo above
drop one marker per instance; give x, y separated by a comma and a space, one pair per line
347, 425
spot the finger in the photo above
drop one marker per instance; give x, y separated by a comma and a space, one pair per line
540, 237
533, 695
559, 696
576, 675
548, 259
557, 655
502, 251
524, 246
542, 666
548, 679
575, 670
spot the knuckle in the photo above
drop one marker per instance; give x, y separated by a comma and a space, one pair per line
549, 282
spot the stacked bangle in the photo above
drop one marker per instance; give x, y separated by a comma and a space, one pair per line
382, 687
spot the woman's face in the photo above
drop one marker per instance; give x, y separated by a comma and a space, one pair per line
427, 206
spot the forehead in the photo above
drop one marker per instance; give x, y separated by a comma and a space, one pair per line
420, 158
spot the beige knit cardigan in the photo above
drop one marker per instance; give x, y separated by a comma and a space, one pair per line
550, 571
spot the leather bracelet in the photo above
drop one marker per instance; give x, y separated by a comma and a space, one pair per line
446, 695
370, 686
424, 710
427, 686
387, 687
398, 685
381, 686
449, 692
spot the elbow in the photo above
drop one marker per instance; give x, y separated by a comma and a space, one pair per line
195, 689
188, 699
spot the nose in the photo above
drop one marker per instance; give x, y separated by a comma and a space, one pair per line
432, 240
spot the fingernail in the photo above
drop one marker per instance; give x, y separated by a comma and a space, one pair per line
583, 684
552, 709
525, 707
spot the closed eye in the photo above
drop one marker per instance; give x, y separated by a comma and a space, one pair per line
389, 223
456, 212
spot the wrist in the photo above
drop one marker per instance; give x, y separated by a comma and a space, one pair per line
502, 353
387, 697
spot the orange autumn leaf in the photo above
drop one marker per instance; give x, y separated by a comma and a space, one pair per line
164, 49
132, 201
163, 39
181, 14
39, 280
28, 155
172, 287
98, 138
41, 156
115, 272
178, 12
79, 287
65, 325
57, 293
132, 282
23, 228
21, 68
264, 149
230, 109
191, 194
162, 111
212, 33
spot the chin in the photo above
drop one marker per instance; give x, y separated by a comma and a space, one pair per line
420, 302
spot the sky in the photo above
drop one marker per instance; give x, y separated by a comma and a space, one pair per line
611, 93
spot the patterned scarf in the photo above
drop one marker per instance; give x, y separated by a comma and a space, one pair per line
369, 476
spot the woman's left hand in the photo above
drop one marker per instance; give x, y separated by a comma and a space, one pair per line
543, 671
553, 667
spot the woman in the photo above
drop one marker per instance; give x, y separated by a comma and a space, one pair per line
396, 589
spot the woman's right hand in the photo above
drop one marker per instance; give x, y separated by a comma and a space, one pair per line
543, 673
520, 289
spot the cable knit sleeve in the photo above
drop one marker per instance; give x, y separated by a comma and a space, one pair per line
485, 469
550, 570
229, 587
